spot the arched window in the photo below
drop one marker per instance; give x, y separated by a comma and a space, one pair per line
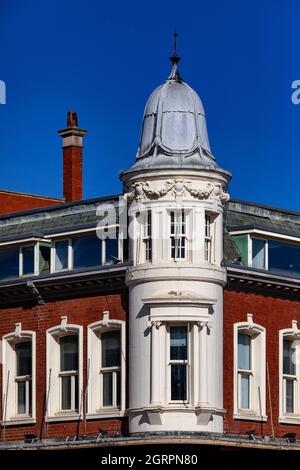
106, 367
19, 376
249, 371
289, 350
64, 372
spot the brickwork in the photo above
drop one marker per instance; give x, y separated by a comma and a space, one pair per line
80, 311
14, 202
274, 314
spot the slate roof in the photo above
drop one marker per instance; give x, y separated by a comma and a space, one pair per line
242, 215
54, 219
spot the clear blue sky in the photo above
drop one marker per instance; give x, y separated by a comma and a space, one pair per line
103, 59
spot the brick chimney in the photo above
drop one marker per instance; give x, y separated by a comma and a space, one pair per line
72, 158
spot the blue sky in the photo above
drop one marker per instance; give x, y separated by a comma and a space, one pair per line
104, 59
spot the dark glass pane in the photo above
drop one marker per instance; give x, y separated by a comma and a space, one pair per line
289, 366
44, 261
28, 259
178, 342
69, 353
66, 393
87, 251
284, 257
111, 348
23, 358
21, 397
9, 263
107, 389
61, 255
178, 382
244, 351
111, 249
289, 396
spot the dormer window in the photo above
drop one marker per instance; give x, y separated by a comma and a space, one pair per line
24, 260
85, 251
276, 255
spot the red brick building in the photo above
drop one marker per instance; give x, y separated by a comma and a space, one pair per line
179, 327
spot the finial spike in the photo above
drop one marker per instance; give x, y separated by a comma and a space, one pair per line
175, 59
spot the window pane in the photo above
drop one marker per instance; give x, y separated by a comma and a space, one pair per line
111, 348
21, 386
258, 253
66, 393
76, 392
178, 342
61, 255
28, 259
107, 389
289, 396
111, 249
284, 257
178, 382
23, 358
245, 391
244, 351
9, 263
288, 357
87, 251
69, 353
44, 258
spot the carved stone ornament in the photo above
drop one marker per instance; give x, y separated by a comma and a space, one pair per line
142, 190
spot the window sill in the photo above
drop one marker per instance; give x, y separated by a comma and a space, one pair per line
64, 417
18, 422
289, 419
250, 417
101, 414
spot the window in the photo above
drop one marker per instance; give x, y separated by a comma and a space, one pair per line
64, 372
258, 253
27, 260
273, 255
178, 234
87, 251
106, 368
110, 368
18, 376
44, 257
24, 377
178, 362
147, 236
249, 371
69, 372
289, 376
244, 370
61, 255
9, 263
208, 238
289, 350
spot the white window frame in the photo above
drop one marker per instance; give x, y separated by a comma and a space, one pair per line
180, 235
291, 334
95, 408
53, 379
257, 374
186, 362
147, 236
10, 414
73, 374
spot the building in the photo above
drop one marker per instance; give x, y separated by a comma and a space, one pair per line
178, 326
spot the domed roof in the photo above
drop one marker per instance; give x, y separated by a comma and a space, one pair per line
174, 120
174, 133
